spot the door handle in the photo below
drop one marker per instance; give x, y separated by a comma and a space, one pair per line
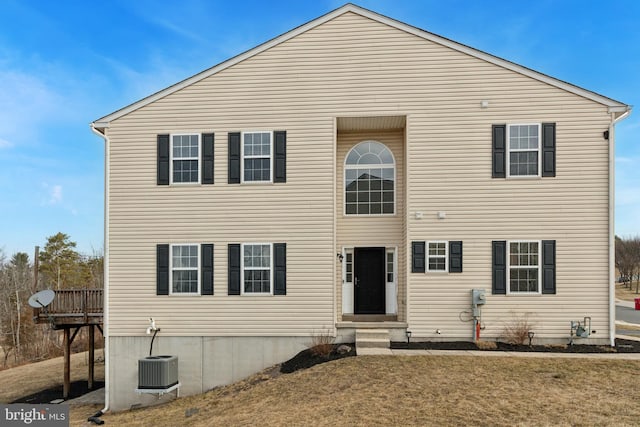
356, 281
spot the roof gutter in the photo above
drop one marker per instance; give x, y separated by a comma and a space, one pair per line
612, 232
101, 132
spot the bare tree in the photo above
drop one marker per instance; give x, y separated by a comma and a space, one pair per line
628, 260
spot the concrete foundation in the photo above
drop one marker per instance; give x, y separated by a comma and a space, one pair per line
204, 363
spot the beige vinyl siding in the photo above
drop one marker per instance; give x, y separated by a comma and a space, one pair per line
354, 66
373, 230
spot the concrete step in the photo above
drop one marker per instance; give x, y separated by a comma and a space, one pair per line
374, 352
366, 334
372, 338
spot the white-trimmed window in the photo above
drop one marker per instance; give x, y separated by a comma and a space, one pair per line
185, 269
523, 149
369, 180
348, 266
391, 262
185, 158
257, 268
523, 266
257, 158
437, 256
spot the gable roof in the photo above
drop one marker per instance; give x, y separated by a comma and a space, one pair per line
614, 106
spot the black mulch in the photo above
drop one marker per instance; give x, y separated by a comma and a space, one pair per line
78, 388
622, 346
306, 359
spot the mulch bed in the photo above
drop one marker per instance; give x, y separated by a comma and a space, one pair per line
306, 358
622, 346
78, 388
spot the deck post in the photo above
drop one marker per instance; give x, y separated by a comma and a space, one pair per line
91, 356
67, 364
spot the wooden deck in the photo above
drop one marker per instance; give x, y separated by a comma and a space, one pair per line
72, 307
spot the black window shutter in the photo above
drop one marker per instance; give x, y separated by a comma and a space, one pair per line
499, 261
162, 270
234, 157
548, 266
280, 159
234, 269
499, 150
207, 158
548, 149
455, 257
417, 257
280, 267
206, 269
163, 159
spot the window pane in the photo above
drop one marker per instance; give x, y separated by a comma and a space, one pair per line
185, 281
523, 280
257, 281
184, 257
257, 169
375, 173
390, 266
437, 264
523, 163
257, 256
185, 146
185, 171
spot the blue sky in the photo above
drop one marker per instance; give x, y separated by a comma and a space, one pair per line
64, 64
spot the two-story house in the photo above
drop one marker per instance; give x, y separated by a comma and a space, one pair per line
353, 173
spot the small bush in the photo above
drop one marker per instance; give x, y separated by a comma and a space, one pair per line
321, 343
487, 345
517, 331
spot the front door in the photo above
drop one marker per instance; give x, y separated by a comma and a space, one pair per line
369, 280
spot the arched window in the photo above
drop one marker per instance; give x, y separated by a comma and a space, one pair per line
369, 180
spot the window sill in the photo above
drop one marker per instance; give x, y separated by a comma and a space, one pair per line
523, 294
517, 177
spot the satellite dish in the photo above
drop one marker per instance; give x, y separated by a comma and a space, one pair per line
42, 298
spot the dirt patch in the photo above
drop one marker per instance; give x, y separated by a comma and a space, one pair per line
78, 388
307, 358
25, 380
622, 346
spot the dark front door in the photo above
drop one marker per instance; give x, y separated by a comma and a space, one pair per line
368, 279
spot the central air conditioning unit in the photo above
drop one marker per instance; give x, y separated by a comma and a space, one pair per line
157, 372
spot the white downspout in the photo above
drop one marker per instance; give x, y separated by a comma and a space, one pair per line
105, 303
612, 232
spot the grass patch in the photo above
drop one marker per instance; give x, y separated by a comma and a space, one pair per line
412, 390
626, 294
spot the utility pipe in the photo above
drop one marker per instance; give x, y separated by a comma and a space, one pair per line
105, 303
612, 232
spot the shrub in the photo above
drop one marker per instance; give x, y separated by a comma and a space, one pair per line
517, 331
321, 343
486, 345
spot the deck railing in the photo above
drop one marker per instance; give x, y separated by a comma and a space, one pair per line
77, 305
